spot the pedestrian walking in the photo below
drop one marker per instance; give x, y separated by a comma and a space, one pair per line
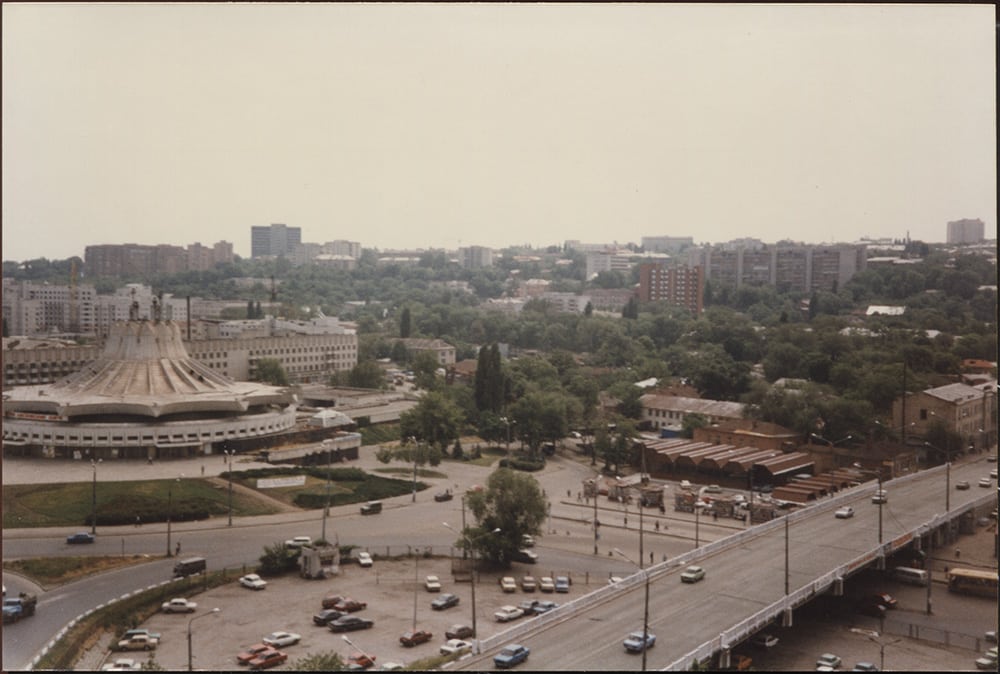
203, 470
138, 521
178, 552
657, 524
650, 556
958, 553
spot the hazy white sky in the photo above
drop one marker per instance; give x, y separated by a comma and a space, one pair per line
493, 124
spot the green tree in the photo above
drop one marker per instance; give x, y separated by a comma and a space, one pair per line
399, 353
319, 662
405, 323
366, 374
250, 313
511, 502
631, 309
277, 559
425, 365
435, 420
269, 371
691, 422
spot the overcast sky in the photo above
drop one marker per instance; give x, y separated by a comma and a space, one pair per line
493, 124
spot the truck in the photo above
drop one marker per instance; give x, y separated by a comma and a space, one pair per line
19, 607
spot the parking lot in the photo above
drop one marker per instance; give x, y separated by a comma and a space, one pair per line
390, 588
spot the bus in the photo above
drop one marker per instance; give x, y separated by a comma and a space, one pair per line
973, 581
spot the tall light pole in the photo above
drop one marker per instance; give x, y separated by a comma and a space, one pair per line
880, 493
876, 637
697, 519
170, 511
190, 657
645, 610
93, 515
326, 510
353, 645
414, 440
468, 544
416, 584
508, 422
229, 461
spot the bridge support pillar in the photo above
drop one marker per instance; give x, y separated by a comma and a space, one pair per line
724, 658
880, 562
786, 618
837, 589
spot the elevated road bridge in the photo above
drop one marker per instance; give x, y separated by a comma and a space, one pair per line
753, 577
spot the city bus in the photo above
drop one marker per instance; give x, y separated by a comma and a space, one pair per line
973, 581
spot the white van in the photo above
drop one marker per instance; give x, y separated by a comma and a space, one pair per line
905, 574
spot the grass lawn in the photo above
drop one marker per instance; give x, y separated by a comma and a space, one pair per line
69, 504
51, 571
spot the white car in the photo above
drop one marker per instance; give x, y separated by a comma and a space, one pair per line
122, 665
178, 605
455, 646
364, 559
253, 582
433, 584
828, 660
298, 542
546, 584
844, 513
508, 613
279, 639
508, 584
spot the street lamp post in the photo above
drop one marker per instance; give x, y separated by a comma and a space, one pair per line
414, 440
468, 544
880, 493
326, 509
353, 645
416, 584
190, 657
697, 519
229, 462
645, 610
93, 515
876, 637
170, 512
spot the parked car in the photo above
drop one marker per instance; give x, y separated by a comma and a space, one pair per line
348, 605
508, 584
511, 655
844, 513
331, 600
864, 667
692, 574
528, 606
634, 642
365, 559
446, 600
122, 665
545, 584
988, 661
141, 630
993, 474
885, 599
326, 615
371, 508
253, 581
562, 584
881, 496
544, 606
508, 613
527, 541
277, 639
178, 605
455, 646
138, 642
350, 623
432, 584
443, 495
764, 640
415, 637
244, 657
528, 584
686, 484
962, 485
82, 537
267, 659
985, 482
298, 542
713, 489
828, 660
359, 660
459, 631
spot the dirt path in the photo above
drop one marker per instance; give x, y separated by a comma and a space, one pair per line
246, 491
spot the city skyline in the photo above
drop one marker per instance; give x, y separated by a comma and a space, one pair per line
430, 126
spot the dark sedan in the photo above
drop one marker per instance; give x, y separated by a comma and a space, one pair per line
326, 615
444, 601
349, 623
82, 537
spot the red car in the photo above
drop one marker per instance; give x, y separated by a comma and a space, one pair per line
415, 637
249, 654
361, 660
268, 658
347, 605
331, 600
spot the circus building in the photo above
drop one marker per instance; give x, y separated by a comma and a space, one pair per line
144, 397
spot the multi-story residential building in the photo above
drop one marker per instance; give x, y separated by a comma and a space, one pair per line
40, 308
683, 286
567, 302
666, 244
131, 259
620, 260
276, 240
476, 257
789, 267
970, 411
610, 299
966, 231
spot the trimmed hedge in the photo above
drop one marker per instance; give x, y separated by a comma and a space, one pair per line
124, 509
520, 463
